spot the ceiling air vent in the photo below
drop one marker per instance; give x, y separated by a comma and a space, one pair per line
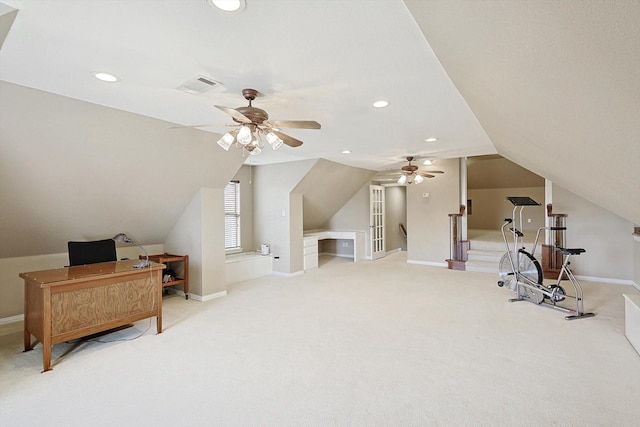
199, 84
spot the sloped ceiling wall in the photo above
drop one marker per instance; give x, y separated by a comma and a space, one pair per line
7, 16
555, 84
498, 172
71, 170
326, 188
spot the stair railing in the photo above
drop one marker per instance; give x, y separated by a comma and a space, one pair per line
552, 259
403, 231
457, 247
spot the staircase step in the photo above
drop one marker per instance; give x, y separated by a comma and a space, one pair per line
486, 249
482, 245
482, 255
482, 266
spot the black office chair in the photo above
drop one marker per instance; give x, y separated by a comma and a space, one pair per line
91, 252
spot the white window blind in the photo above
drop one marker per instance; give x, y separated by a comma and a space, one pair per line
232, 215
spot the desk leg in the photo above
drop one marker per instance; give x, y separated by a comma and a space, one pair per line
27, 333
46, 357
27, 340
46, 333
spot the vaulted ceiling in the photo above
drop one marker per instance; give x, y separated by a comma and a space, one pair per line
552, 86
555, 85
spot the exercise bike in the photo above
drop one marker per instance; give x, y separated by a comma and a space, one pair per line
520, 271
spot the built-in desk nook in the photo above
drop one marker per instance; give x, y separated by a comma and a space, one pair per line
73, 302
312, 238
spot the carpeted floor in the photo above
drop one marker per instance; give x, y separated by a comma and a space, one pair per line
377, 343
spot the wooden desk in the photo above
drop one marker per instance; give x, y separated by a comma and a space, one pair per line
73, 302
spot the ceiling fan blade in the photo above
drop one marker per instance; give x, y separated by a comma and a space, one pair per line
390, 174
426, 175
434, 171
234, 113
289, 140
295, 124
190, 126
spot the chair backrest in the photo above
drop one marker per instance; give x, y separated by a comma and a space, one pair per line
81, 253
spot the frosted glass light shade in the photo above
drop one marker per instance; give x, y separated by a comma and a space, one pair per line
244, 135
274, 140
402, 180
255, 151
418, 179
226, 141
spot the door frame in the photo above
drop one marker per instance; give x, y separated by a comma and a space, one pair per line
376, 221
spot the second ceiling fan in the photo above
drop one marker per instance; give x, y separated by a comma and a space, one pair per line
409, 174
255, 128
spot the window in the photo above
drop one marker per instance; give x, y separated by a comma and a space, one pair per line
232, 215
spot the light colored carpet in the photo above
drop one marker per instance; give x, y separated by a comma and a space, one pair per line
377, 343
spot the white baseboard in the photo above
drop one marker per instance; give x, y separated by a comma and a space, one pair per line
606, 280
281, 274
392, 251
429, 263
337, 255
11, 319
206, 297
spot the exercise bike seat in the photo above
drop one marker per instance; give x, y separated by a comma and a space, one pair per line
572, 251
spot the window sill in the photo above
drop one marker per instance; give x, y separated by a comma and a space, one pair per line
232, 251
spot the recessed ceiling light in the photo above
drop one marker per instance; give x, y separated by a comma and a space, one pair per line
346, 151
106, 77
380, 104
431, 139
427, 162
228, 5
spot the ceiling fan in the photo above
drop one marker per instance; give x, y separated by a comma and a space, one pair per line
409, 174
255, 128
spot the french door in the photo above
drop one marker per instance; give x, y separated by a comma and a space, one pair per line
376, 221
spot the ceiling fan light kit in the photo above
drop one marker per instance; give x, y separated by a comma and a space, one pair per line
228, 5
410, 174
256, 130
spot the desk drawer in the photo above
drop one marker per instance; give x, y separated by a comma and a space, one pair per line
310, 261
311, 250
310, 241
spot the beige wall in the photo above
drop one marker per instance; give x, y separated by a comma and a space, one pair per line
326, 188
395, 214
428, 218
272, 210
291, 197
498, 172
200, 233
98, 171
245, 177
354, 215
490, 208
607, 237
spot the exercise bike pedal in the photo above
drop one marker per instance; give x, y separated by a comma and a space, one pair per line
557, 293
